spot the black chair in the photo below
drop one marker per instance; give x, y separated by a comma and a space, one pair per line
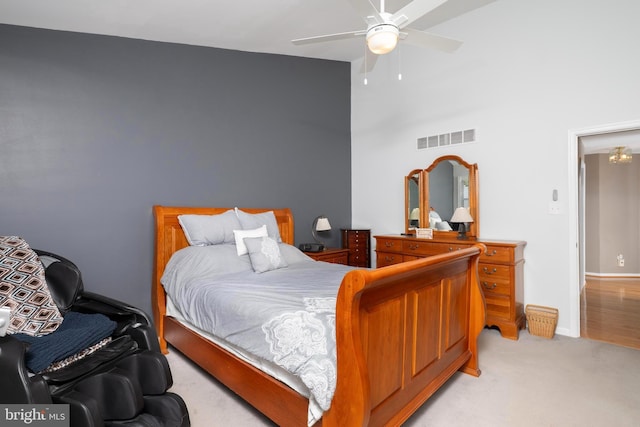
122, 383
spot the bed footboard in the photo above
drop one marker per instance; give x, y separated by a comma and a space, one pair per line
402, 331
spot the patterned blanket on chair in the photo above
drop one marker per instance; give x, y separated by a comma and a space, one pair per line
24, 290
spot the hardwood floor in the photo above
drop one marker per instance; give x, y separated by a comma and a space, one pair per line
610, 310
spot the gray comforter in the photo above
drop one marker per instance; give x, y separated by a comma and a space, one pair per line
285, 316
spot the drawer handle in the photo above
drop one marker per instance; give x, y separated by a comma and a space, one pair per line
451, 249
486, 270
488, 286
389, 258
388, 244
414, 246
492, 253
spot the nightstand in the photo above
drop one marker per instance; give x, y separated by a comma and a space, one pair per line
334, 255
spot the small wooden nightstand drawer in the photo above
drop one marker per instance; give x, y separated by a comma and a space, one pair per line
333, 255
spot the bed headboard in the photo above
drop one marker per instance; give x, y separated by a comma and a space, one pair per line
169, 238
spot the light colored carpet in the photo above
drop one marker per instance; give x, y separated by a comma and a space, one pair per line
530, 382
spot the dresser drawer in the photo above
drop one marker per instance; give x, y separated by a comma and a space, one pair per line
495, 278
497, 254
355, 238
386, 258
389, 245
494, 272
449, 247
493, 286
418, 248
358, 258
497, 307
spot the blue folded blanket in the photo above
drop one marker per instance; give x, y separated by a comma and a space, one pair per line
77, 332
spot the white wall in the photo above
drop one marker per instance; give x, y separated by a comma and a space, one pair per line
527, 74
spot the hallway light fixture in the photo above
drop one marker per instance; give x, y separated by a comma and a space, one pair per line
620, 155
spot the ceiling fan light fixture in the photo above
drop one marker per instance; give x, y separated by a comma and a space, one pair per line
382, 38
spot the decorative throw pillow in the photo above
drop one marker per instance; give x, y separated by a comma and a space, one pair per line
204, 230
24, 290
242, 234
264, 254
252, 221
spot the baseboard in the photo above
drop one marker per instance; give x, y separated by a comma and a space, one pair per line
614, 275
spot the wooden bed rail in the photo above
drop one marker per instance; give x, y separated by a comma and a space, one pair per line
402, 331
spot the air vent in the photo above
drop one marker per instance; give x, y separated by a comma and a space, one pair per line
446, 139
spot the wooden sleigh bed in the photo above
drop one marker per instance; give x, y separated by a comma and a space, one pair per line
401, 332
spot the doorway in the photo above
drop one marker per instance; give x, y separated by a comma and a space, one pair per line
580, 142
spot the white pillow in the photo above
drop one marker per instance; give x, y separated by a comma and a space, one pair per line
204, 230
252, 221
241, 234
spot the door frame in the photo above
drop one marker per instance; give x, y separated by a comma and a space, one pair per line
576, 214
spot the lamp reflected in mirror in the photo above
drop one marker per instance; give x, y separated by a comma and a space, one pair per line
414, 218
462, 216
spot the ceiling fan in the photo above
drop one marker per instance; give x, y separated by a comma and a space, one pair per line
384, 29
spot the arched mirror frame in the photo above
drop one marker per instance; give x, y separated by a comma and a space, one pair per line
474, 209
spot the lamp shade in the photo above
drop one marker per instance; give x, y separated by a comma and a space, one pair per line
322, 224
461, 215
382, 39
415, 214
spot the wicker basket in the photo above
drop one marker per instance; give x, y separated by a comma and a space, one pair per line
541, 320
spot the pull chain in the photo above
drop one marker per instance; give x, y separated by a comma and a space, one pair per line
399, 64
365, 64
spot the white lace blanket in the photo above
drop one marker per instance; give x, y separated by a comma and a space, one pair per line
285, 316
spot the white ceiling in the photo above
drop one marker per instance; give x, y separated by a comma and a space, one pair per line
251, 25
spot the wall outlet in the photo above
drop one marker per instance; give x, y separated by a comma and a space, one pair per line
620, 259
554, 208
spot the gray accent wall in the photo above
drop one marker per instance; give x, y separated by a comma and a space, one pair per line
95, 130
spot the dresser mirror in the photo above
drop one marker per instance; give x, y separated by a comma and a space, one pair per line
413, 189
448, 183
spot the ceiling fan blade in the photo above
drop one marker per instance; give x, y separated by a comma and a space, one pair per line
414, 11
329, 37
432, 41
368, 62
449, 10
368, 11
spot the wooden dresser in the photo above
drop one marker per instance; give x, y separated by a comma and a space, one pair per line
334, 255
359, 244
500, 273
